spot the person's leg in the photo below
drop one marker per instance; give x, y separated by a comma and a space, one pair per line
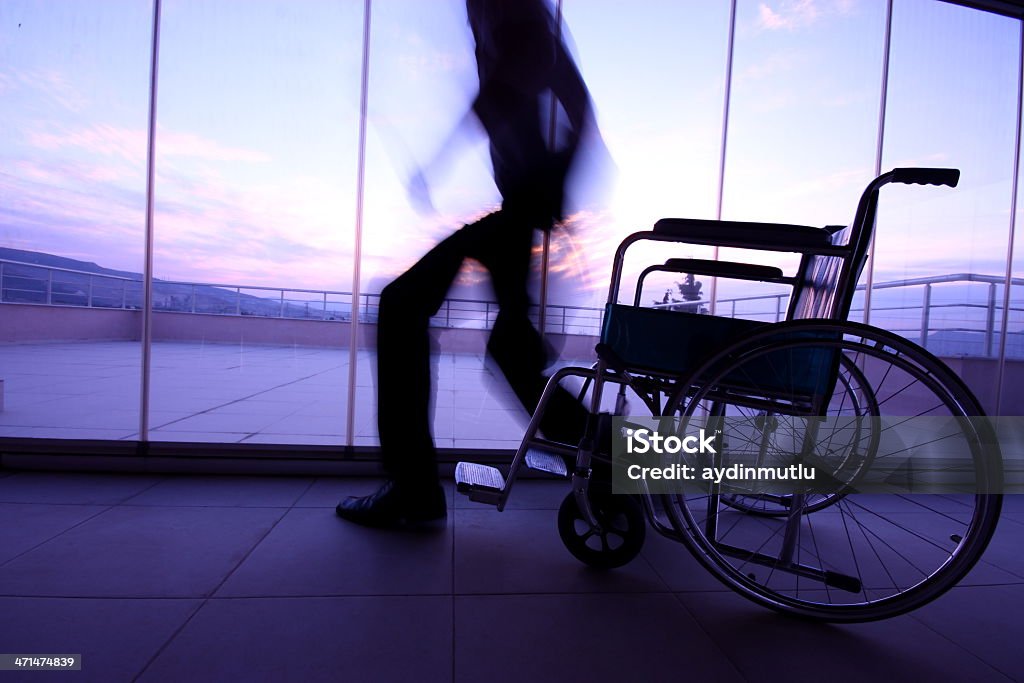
404, 376
403, 360
514, 342
413, 492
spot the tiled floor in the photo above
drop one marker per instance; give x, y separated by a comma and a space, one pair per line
232, 393
193, 578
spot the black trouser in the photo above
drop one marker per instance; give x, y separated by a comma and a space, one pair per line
502, 244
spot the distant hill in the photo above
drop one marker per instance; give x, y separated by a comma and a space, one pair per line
52, 261
27, 284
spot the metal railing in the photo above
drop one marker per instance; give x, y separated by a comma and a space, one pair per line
965, 324
38, 284
30, 283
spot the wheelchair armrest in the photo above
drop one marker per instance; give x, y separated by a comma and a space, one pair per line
743, 235
725, 269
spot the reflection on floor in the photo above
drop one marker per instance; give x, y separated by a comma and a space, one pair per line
227, 393
193, 578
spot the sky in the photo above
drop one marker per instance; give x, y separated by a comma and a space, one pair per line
258, 116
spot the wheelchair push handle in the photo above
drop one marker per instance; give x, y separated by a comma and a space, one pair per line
926, 176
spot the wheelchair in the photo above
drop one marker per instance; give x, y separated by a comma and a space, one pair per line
857, 404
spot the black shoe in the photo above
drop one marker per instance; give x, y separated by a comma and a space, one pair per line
392, 508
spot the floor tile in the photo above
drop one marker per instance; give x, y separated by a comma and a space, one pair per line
519, 551
488, 424
24, 526
329, 491
227, 491
73, 488
217, 421
677, 566
311, 597
984, 620
312, 639
527, 494
314, 553
304, 424
255, 406
141, 552
507, 442
1006, 551
1013, 504
296, 439
766, 646
171, 436
583, 638
115, 638
62, 432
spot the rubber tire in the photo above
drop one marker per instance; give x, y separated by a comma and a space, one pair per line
925, 368
621, 514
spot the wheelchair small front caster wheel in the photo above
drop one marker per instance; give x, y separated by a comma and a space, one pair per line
621, 535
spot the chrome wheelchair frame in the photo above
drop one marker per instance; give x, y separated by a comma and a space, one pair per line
899, 552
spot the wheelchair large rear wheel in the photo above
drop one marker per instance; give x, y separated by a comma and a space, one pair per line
866, 554
847, 448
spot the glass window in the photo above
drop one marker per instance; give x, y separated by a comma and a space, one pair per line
422, 81
74, 80
658, 94
940, 253
803, 126
255, 212
256, 195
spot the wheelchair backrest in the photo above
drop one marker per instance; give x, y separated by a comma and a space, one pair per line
827, 283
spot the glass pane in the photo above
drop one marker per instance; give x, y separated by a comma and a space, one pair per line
940, 253
657, 101
255, 200
423, 79
74, 79
803, 125
658, 96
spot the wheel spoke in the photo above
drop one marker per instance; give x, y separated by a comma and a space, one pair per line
860, 556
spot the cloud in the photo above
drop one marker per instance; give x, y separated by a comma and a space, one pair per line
421, 64
50, 83
295, 232
935, 159
845, 181
846, 6
849, 98
60, 208
45, 86
7, 82
775, 63
98, 139
131, 144
788, 15
176, 144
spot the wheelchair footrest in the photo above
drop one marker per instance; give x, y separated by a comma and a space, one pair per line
483, 484
546, 462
